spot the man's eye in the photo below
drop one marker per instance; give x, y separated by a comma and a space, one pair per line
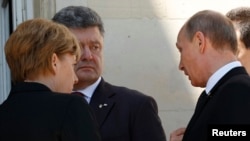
95, 48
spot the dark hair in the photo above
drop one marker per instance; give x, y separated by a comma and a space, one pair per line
241, 17
215, 26
79, 17
244, 29
239, 14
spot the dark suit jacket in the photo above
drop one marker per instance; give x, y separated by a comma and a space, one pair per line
126, 115
228, 104
32, 112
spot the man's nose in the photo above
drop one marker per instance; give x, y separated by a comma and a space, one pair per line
86, 53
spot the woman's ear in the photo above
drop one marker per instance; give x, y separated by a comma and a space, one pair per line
54, 63
200, 41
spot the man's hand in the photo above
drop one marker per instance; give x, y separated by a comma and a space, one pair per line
177, 135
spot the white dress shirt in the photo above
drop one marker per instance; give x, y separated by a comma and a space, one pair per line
219, 74
88, 91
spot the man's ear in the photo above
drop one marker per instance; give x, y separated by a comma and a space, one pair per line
200, 41
54, 63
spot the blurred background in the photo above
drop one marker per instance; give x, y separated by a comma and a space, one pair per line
139, 51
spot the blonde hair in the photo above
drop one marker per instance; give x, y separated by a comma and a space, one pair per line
30, 47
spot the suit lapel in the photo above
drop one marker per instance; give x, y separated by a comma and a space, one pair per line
234, 72
201, 103
101, 101
203, 99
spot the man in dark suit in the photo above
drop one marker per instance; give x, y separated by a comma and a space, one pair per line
207, 44
123, 114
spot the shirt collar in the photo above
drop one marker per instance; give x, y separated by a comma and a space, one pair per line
88, 91
219, 74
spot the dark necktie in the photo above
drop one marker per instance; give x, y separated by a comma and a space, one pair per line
199, 106
80, 94
201, 101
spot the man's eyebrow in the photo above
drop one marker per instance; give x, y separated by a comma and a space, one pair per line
178, 47
95, 41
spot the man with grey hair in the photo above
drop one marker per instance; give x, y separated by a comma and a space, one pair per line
123, 114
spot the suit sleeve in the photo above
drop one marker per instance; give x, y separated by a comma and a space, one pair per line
147, 125
80, 123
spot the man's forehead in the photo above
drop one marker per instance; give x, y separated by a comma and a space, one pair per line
179, 37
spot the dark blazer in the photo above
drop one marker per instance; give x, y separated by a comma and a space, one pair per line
126, 115
228, 103
32, 112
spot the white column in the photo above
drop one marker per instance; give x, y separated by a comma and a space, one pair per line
5, 83
47, 8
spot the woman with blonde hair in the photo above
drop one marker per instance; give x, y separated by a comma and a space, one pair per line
41, 56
